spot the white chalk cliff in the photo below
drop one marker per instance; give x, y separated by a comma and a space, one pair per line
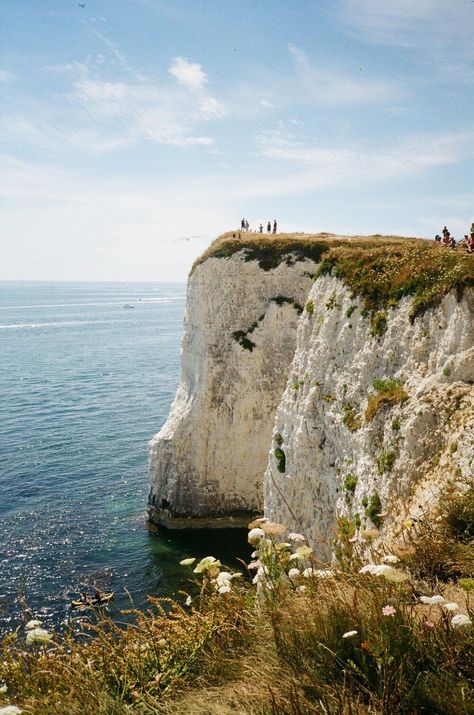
275, 399
336, 460
207, 463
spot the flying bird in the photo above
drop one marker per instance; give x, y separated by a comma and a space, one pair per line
187, 238
81, 4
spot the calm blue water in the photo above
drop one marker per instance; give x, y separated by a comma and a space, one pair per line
84, 383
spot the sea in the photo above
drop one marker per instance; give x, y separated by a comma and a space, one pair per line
88, 372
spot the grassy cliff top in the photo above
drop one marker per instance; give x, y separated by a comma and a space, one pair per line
379, 269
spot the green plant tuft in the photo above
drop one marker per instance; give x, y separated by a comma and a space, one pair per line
351, 419
378, 323
350, 483
390, 391
385, 461
309, 307
374, 509
280, 459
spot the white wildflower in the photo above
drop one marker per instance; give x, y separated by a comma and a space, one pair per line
38, 635
223, 578
254, 565
293, 573
349, 634
225, 588
207, 563
255, 536
187, 562
460, 620
254, 554
294, 557
390, 559
301, 588
3, 688
189, 600
293, 536
33, 624
368, 568
390, 573
450, 606
309, 572
432, 600
10, 710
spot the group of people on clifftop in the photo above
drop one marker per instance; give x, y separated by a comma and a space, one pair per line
450, 242
245, 226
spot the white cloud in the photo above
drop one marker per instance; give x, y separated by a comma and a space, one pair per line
439, 32
339, 165
322, 85
188, 74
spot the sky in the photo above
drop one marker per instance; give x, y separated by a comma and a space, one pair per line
133, 132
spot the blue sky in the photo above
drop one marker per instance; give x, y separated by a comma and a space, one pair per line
129, 124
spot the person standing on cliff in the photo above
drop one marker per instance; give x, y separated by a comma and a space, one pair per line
274, 225
242, 225
260, 228
269, 227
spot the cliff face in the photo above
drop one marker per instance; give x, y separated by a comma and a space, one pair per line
358, 408
206, 465
372, 456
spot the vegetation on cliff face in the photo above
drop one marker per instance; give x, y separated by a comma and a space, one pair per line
376, 632
378, 269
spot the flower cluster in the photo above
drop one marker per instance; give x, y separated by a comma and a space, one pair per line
210, 568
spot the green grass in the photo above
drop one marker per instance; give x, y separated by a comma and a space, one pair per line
390, 391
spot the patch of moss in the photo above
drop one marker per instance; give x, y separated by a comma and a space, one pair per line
357, 521
332, 302
350, 483
386, 460
374, 509
350, 310
395, 424
278, 439
351, 419
378, 323
390, 391
309, 307
280, 458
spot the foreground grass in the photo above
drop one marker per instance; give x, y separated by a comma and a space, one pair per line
378, 269
377, 633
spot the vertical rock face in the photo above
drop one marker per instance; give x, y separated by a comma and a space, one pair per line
352, 448
206, 463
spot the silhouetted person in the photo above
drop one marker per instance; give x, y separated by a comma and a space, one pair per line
269, 227
260, 228
274, 225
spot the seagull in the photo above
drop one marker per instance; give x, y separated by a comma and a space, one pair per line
187, 238
81, 4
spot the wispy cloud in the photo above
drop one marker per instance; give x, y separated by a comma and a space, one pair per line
323, 85
340, 165
439, 32
103, 109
